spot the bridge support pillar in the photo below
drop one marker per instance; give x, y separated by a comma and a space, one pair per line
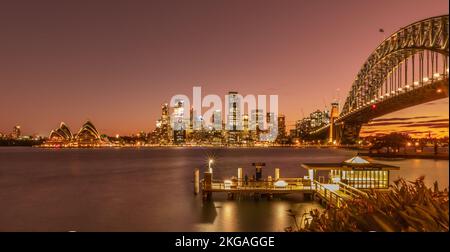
333, 115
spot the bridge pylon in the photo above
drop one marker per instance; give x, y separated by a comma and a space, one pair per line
333, 115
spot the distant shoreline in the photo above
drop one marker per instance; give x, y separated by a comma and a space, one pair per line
191, 146
439, 156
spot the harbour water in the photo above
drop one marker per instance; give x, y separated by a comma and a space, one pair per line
151, 189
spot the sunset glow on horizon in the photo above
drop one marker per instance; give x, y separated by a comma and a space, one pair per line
429, 119
116, 64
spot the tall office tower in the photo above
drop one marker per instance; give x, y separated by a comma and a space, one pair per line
282, 125
198, 122
316, 119
269, 117
179, 123
217, 120
165, 119
16, 132
234, 112
256, 123
191, 118
246, 137
303, 127
234, 122
163, 129
272, 128
281, 136
326, 117
298, 125
245, 122
319, 118
256, 119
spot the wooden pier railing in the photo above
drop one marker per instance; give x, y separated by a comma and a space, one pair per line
335, 194
266, 186
351, 191
331, 196
339, 194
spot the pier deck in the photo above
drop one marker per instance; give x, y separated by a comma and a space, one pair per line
335, 194
220, 187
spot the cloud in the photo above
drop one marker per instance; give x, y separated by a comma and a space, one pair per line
401, 118
369, 131
429, 125
414, 125
442, 125
387, 123
409, 124
415, 132
437, 120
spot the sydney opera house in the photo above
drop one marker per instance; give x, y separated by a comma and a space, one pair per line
87, 136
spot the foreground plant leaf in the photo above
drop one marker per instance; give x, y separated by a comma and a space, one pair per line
408, 206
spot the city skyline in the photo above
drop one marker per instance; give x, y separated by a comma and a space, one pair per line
118, 77
191, 117
425, 126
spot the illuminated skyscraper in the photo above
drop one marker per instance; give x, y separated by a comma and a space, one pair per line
163, 129
217, 120
256, 123
282, 125
165, 113
281, 134
198, 121
303, 127
179, 123
234, 122
245, 122
271, 129
191, 118
16, 132
256, 120
319, 118
246, 133
234, 112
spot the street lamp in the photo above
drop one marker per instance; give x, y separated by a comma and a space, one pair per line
209, 164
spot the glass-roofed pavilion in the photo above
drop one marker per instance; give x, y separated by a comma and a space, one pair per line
356, 172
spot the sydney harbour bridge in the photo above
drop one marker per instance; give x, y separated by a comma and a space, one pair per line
408, 68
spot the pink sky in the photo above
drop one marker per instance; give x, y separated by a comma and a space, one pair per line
115, 62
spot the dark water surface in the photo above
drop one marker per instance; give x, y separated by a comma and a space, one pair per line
151, 189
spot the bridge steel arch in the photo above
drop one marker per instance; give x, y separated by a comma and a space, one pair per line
409, 67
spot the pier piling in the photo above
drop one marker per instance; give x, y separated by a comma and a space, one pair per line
196, 181
277, 174
240, 177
